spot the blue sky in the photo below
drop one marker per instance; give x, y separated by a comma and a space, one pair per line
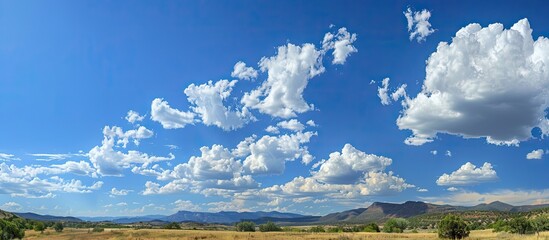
71, 72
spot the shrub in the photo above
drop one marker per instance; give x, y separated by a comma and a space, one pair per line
540, 223
245, 227
520, 225
452, 227
98, 229
372, 227
395, 225
269, 227
500, 226
317, 229
39, 227
10, 230
172, 225
58, 226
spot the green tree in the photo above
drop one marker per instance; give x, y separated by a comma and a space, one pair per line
372, 227
269, 227
500, 226
395, 225
39, 227
58, 226
245, 227
452, 227
540, 223
10, 230
520, 225
172, 225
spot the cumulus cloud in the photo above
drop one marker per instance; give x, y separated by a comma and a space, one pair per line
185, 205
220, 171
208, 103
346, 175
293, 125
272, 129
383, 92
385, 96
468, 174
8, 157
110, 162
418, 24
289, 72
349, 166
341, 43
311, 123
133, 117
169, 117
119, 192
434, 152
27, 181
487, 83
268, 154
215, 168
535, 154
242, 72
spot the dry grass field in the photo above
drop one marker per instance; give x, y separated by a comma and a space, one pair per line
142, 234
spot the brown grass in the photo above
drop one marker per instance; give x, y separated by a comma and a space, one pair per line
145, 234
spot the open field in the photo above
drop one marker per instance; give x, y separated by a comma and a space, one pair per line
143, 234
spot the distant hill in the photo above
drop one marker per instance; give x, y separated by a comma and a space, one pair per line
225, 217
124, 219
380, 212
38, 217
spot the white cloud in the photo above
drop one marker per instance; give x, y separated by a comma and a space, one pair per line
124, 137
448, 153
11, 206
8, 157
311, 123
422, 190
418, 24
110, 162
172, 147
514, 197
25, 181
349, 166
535, 154
289, 72
216, 168
56, 156
185, 205
121, 192
242, 72
434, 152
452, 189
468, 174
272, 129
488, 82
383, 92
347, 175
133, 117
268, 154
385, 97
169, 117
341, 43
292, 124
208, 103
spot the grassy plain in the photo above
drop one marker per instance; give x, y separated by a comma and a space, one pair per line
142, 234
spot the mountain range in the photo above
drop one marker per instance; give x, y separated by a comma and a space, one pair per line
377, 212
